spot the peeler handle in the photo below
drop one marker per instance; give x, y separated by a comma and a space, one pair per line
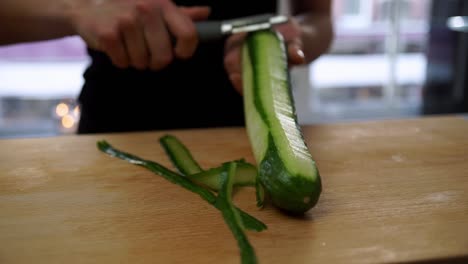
209, 31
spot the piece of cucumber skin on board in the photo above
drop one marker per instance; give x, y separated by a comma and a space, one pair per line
286, 168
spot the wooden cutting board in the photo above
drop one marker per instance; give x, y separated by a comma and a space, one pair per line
393, 191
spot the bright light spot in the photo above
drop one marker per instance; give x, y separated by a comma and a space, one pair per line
68, 121
76, 111
457, 21
61, 109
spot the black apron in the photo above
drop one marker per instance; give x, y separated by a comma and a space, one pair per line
194, 93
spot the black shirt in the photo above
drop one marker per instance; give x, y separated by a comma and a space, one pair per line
192, 93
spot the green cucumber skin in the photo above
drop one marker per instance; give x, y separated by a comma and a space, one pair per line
231, 216
246, 175
179, 155
292, 193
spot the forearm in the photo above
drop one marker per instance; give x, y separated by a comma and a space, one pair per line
33, 20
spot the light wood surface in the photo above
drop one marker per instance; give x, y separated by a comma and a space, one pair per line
393, 191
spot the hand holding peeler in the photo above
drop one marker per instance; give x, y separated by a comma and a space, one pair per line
215, 30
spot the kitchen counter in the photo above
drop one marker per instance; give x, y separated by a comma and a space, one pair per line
393, 191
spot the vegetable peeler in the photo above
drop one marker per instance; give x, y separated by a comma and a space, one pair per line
215, 30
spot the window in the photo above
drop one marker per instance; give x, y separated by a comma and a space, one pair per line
404, 8
39, 85
375, 68
352, 7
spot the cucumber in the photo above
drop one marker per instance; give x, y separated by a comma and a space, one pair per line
286, 168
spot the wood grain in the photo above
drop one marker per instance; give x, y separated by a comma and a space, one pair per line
394, 191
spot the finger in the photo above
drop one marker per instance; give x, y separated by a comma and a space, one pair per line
85, 32
183, 29
232, 61
112, 44
135, 43
290, 30
157, 37
291, 33
232, 56
236, 80
234, 41
196, 13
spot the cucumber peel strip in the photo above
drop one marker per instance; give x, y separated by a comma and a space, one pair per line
245, 175
231, 216
179, 155
183, 160
249, 221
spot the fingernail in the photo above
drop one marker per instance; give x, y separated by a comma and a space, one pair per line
300, 53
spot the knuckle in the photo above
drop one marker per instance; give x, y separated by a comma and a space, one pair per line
227, 63
127, 21
188, 45
140, 63
189, 35
118, 61
108, 38
166, 59
145, 7
185, 53
231, 63
161, 61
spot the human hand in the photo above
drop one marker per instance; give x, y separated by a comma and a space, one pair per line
138, 32
291, 33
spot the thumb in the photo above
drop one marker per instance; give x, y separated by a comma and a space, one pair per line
196, 13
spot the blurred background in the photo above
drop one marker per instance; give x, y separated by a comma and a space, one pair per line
389, 59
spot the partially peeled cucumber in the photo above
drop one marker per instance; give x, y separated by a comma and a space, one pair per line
287, 170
